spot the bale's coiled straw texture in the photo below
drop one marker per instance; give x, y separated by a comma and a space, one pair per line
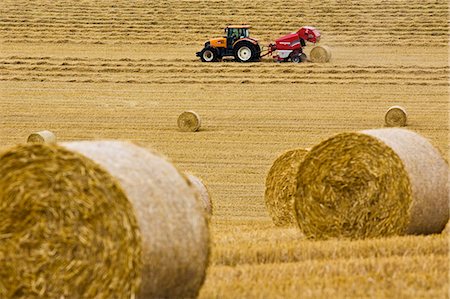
202, 191
174, 229
42, 137
189, 121
372, 183
281, 184
395, 116
320, 54
67, 230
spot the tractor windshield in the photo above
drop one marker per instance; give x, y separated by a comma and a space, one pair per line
237, 33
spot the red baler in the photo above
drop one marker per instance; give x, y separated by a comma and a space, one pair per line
290, 46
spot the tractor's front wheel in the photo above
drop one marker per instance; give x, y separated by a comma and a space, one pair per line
244, 51
209, 54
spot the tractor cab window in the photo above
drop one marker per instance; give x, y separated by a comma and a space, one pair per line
233, 33
243, 32
237, 33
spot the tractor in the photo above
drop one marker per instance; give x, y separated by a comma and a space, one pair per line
236, 43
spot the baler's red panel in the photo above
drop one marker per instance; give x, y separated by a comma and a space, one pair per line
288, 42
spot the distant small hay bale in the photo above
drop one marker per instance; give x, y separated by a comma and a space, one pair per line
396, 116
97, 218
320, 54
281, 186
42, 137
372, 183
203, 193
189, 121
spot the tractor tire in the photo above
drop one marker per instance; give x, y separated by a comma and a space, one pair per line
209, 54
257, 54
245, 51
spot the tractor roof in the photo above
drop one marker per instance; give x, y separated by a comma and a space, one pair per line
239, 26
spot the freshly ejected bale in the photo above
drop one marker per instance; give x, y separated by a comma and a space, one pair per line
281, 184
372, 183
67, 230
42, 137
189, 121
93, 219
202, 191
174, 229
320, 54
396, 116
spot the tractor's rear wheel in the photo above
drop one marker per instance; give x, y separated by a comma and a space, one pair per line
209, 54
257, 54
244, 51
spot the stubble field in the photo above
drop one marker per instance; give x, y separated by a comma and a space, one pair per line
126, 70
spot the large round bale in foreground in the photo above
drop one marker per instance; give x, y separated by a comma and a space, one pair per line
174, 229
189, 121
396, 116
42, 137
320, 54
372, 183
202, 191
281, 184
67, 229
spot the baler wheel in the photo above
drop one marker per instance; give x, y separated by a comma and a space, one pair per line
296, 59
299, 58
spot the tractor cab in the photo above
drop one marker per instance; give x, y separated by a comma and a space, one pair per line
234, 33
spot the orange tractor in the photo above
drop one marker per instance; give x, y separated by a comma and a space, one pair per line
239, 44
236, 42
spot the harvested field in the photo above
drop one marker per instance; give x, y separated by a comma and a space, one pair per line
126, 70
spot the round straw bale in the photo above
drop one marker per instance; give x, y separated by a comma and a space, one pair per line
372, 183
189, 121
67, 230
395, 116
202, 191
281, 184
320, 54
174, 228
42, 137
